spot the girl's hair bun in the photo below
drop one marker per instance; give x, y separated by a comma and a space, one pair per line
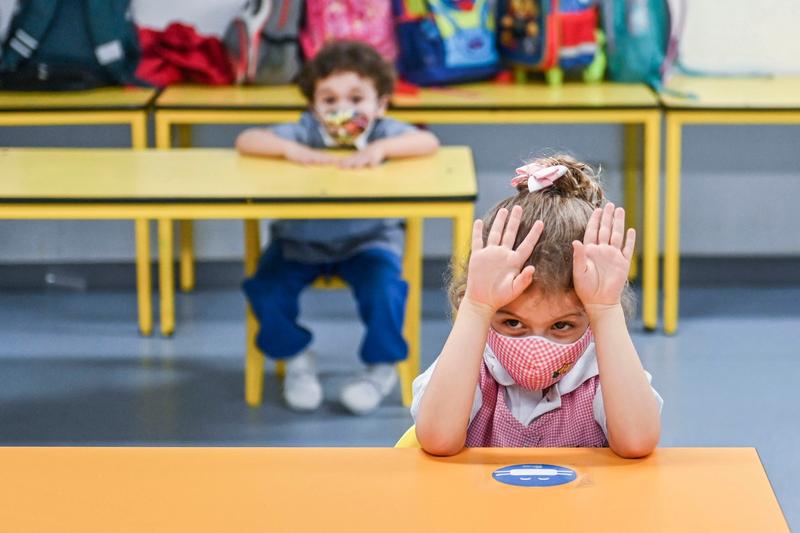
580, 180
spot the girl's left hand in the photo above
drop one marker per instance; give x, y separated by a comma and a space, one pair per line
601, 263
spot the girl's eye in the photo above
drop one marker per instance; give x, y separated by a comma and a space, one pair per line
512, 323
561, 326
356, 99
329, 100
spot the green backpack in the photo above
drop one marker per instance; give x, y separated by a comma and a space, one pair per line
69, 45
641, 38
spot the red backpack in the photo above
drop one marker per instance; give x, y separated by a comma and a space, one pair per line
369, 21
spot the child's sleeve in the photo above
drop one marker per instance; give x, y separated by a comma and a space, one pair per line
293, 131
389, 127
421, 383
600, 411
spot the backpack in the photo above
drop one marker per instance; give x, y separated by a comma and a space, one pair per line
262, 42
69, 45
369, 21
547, 34
445, 41
642, 40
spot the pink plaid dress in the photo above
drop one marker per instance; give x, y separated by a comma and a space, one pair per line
570, 426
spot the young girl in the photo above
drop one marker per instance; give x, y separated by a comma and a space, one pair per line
539, 354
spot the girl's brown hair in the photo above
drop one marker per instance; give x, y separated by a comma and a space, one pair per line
565, 208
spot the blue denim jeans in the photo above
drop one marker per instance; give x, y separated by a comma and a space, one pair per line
375, 279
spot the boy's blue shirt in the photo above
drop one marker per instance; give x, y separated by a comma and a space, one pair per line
328, 241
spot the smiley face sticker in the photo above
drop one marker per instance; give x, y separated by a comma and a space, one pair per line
535, 475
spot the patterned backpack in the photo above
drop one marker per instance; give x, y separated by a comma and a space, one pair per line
445, 41
369, 21
548, 35
262, 42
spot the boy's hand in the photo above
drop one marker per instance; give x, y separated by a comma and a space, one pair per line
304, 155
495, 276
371, 156
601, 263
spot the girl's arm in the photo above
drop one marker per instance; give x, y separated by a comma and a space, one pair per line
493, 279
264, 143
411, 144
600, 270
443, 418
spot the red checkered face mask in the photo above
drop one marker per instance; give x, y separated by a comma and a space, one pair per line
536, 363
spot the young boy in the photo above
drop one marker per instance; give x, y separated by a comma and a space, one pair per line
348, 86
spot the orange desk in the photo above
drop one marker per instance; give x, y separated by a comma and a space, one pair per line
379, 490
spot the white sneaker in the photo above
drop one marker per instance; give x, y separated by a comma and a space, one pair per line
364, 393
301, 388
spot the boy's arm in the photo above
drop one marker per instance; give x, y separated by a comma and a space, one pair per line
264, 143
410, 144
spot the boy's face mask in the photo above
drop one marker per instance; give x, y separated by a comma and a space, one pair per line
346, 127
536, 363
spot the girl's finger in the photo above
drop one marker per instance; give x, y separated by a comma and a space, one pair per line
630, 244
618, 228
590, 235
510, 234
525, 248
579, 263
606, 222
477, 235
521, 281
497, 227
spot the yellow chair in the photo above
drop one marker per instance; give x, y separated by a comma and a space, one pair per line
409, 439
407, 370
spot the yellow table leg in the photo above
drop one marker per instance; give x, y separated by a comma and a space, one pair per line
144, 288
186, 227
166, 276
254, 360
462, 235
143, 282
650, 223
186, 235
672, 211
412, 269
631, 192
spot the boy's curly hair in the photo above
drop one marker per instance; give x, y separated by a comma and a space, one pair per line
565, 208
347, 56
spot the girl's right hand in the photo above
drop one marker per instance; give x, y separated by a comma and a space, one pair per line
495, 276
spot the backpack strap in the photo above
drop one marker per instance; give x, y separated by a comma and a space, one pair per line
112, 52
27, 30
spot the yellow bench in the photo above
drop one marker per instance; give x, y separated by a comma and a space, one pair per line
115, 105
729, 101
202, 184
180, 107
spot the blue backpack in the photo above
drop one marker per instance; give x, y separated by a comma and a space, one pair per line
445, 41
641, 40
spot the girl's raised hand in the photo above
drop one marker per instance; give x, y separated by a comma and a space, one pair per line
496, 275
601, 263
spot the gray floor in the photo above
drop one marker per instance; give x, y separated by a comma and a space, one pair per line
73, 371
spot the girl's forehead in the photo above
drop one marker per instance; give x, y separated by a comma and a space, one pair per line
537, 305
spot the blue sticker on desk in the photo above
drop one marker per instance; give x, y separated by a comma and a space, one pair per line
531, 475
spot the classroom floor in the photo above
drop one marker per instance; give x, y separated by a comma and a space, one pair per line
73, 371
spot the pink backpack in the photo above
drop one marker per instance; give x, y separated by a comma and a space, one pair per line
369, 21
